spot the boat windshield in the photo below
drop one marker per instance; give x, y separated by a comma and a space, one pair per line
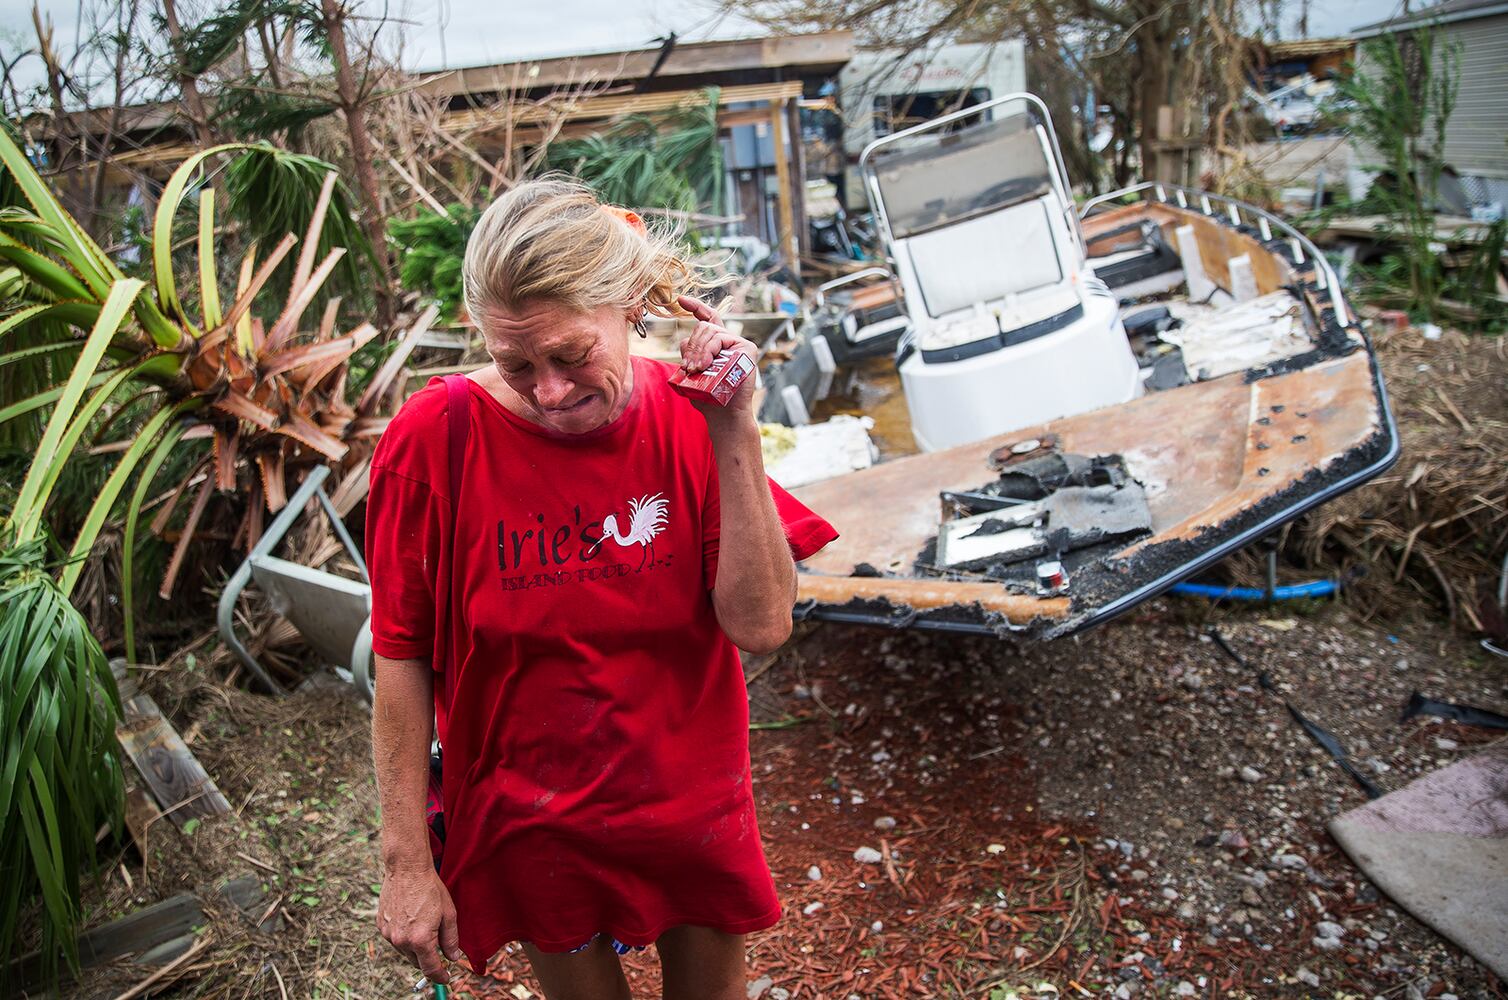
938, 178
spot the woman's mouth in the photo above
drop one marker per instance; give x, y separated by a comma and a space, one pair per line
556, 411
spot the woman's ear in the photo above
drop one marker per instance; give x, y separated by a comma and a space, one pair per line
638, 316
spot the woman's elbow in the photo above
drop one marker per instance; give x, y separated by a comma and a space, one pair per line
760, 636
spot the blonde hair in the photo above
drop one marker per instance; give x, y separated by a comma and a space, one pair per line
551, 239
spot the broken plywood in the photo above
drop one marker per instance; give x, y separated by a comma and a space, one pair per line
172, 773
1233, 338
1205, 453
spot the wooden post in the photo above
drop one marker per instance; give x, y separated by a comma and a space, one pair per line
1199, 284
798, 180
787, 215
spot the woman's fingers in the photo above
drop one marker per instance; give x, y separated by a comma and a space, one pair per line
417, 917
431, 963
450, 933
699, 309
699, 349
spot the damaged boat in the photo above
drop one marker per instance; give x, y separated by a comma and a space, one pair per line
1104, 401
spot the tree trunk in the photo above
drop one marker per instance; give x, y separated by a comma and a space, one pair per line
188, 84
125, 25
361, 151
1154, 51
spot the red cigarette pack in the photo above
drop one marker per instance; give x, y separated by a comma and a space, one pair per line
721, 379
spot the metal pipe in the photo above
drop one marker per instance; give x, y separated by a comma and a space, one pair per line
847, 279
226, 611
1266, 222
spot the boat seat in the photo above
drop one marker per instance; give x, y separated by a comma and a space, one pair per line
985, 258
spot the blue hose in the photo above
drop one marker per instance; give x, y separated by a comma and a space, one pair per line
1316, 588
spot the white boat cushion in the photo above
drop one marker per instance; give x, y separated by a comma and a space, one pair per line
985, 258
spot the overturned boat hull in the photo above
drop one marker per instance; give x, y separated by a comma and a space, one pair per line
1221, 459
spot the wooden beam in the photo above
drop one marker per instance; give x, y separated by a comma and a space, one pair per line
787, 214
172, 773
798, 178
815, 51
608, 106
144, 932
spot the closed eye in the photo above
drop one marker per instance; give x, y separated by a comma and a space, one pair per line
576, 362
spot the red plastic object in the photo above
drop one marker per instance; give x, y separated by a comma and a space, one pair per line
721, 379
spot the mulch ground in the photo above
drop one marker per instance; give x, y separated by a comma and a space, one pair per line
1052, 820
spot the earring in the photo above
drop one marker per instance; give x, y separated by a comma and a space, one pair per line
640, 327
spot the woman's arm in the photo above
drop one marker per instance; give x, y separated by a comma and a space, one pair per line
414, 912
756, 584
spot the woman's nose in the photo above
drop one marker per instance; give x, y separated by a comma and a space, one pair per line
552, 390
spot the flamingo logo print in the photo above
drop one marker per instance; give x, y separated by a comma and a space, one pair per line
647, 517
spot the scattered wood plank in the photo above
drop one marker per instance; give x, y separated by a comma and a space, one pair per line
176, 779
141, 813
161, 932
141, 988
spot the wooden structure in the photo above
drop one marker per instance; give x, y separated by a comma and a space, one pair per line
761, 84
486, 111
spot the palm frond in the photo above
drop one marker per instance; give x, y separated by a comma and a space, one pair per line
272, 192
59, 772
672, 160
431, 248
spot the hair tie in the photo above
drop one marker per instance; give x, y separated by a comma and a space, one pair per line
631, 218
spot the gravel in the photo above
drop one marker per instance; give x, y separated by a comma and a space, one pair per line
1208, 801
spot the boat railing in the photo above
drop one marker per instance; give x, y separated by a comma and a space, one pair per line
1239, 213
1060, 170
831, 286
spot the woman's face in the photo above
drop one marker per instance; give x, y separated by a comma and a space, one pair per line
569, 369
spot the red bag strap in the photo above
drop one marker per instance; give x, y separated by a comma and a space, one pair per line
459, 421
460, 428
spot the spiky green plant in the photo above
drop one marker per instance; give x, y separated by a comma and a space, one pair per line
272, 398
274, 192
431, 248
1402, 99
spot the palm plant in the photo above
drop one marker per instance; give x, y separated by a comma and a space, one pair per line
1401, 105
673, 160
275, 191
270, 398
431, 248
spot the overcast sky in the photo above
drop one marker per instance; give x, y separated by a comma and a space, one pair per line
451, 33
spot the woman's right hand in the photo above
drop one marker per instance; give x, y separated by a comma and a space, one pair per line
416, 916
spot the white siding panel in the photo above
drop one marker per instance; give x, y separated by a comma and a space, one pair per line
1476, 137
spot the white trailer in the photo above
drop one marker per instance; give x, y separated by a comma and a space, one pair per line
882, 91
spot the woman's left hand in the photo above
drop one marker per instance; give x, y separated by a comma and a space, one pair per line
699, 350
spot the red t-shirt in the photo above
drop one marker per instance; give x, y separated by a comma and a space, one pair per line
596, 766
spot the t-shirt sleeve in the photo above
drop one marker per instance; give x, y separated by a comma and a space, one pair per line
402, 553
406, 521
805, 531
